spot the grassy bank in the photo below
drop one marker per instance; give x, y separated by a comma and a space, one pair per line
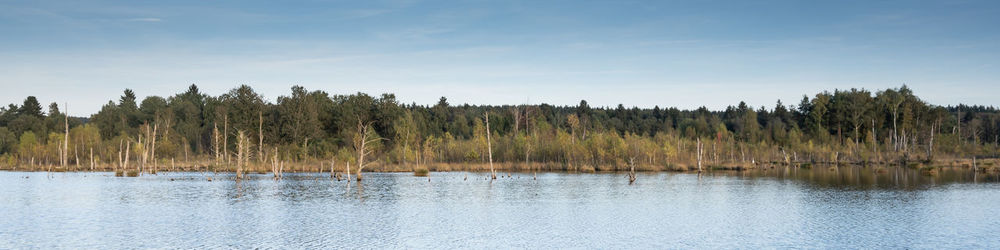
985, 165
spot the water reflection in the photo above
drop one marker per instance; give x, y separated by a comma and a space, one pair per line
846, 207
858, 177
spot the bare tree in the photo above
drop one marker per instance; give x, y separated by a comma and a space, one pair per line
631, 172
274, 165
242, 152
363, 143
700, 148
215, 142
225, 137
260, 137
152, 142
930, 142
65, 148
128, 148
489, 145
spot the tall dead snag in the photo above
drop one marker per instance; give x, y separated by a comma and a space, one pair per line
700, 146
574, 122
260, 137
363, 143
528, 137
274, 164
128, 148
152, 143
784, 155
215, 142
65, 148
875, 142
76, 153
930, 143
121, 161
241, 152
141, 147
631, 172
489, 146
225, 137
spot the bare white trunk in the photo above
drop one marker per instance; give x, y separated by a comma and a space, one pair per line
699, 146
65, 150
260, 137
152, 142
489, 145
225, 138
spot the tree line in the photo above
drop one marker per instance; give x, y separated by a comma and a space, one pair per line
855, 126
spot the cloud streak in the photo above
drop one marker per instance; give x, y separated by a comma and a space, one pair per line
145, 19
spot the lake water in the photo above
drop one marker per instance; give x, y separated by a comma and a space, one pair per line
775, 208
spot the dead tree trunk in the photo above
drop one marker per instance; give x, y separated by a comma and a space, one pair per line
121, 161
875, 142
631, 172
274, 164
225, 138
215, 142
362, 143
241, 149
152, 150
260, 137
65, 150
128, 149
699, 149
930, 143
489, 146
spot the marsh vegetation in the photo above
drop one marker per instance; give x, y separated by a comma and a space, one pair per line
312, 131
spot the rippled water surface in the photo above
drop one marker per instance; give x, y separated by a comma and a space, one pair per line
802, 208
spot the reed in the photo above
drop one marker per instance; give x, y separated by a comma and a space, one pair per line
422, 171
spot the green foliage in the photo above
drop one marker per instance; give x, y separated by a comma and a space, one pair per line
7, 140
854, 122
28, 144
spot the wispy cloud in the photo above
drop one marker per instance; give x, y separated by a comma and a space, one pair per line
145, 19
365, 13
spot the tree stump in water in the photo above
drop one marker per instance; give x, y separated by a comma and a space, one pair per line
631, 173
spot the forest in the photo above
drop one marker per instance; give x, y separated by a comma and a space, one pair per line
318, 131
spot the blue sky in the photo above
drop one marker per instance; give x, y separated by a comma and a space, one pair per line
639, 53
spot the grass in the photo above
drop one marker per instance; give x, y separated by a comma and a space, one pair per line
421, 172
678, 167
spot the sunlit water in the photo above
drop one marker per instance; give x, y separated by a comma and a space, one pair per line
800, 208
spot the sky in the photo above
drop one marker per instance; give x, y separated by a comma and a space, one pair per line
682, 54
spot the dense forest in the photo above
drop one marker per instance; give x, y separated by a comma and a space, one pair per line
314, 128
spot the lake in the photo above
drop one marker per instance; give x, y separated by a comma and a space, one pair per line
847, 207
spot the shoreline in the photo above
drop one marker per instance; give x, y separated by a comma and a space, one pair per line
983, 165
